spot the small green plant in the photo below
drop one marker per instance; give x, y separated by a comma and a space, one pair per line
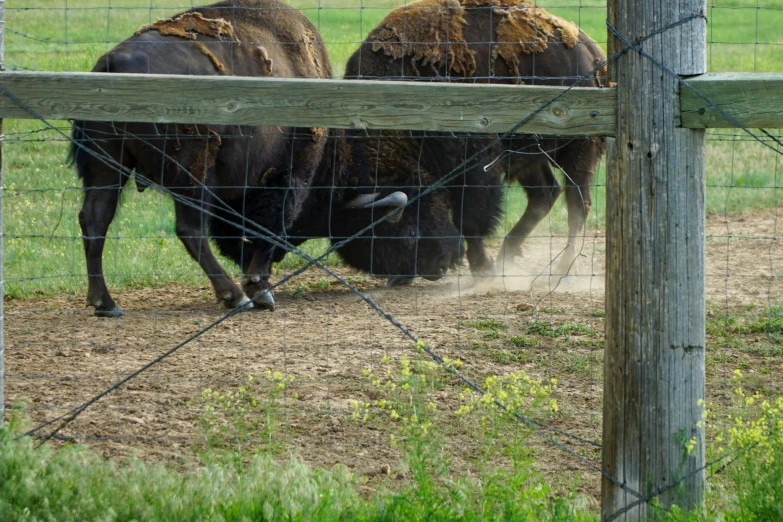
505, 485
565, 330
520, 341
754, 441
488, 324
322, 283
491, 334
232, 421
490, 327
299, 290
509, 356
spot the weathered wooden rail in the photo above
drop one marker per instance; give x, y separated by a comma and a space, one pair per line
307, 103
753, 100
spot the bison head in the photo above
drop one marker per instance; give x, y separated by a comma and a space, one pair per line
416, 240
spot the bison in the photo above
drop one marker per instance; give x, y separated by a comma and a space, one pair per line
420, 241
490, 41
247, 175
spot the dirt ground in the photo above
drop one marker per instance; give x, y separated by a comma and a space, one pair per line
58, 355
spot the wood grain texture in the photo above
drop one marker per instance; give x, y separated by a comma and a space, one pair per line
306, 103
654, 359
751, 99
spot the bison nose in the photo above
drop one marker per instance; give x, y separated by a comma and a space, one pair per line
435, 274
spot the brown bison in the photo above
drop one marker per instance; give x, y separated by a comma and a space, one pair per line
346, 196
245, 175
490, 41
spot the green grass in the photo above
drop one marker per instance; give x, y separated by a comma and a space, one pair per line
490, 477
43, 249
234, 480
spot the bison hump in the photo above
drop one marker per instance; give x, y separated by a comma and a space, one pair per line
189, 26
429, 32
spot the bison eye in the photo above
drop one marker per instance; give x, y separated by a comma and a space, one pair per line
411, 231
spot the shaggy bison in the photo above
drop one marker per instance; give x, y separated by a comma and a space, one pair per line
420, 240
489, 41
247, 175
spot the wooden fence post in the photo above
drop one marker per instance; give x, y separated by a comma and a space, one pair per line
654, 363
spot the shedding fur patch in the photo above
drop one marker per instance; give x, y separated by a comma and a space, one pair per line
189, 26
214, 59
266, 61
318, 133
206, 157
472, 4
526, 29
430, 33
311, 43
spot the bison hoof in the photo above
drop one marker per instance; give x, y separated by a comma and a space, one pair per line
399, 281
116, 311
264, 300
245, 302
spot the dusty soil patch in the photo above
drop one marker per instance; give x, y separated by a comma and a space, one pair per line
58, 355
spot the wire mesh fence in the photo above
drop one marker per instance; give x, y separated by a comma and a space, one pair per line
326, 374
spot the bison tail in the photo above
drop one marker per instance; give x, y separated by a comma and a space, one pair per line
77, 155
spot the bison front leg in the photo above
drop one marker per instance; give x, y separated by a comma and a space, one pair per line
100, 205
256, 280
190, 230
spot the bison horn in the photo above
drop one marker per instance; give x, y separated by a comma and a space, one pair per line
361, 200
397, 199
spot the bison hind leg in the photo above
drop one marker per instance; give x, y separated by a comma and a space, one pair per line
542, 191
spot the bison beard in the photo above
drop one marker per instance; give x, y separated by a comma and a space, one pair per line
490, 41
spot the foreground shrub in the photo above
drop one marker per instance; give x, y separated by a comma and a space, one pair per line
73, 483
754, 447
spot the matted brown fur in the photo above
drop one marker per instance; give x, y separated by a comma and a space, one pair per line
318, 133
206, 157
527, 29
525, 24
265, 59
311, 41
189, 26
214, 59
434, 39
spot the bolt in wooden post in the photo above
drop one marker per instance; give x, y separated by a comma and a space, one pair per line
654, 364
